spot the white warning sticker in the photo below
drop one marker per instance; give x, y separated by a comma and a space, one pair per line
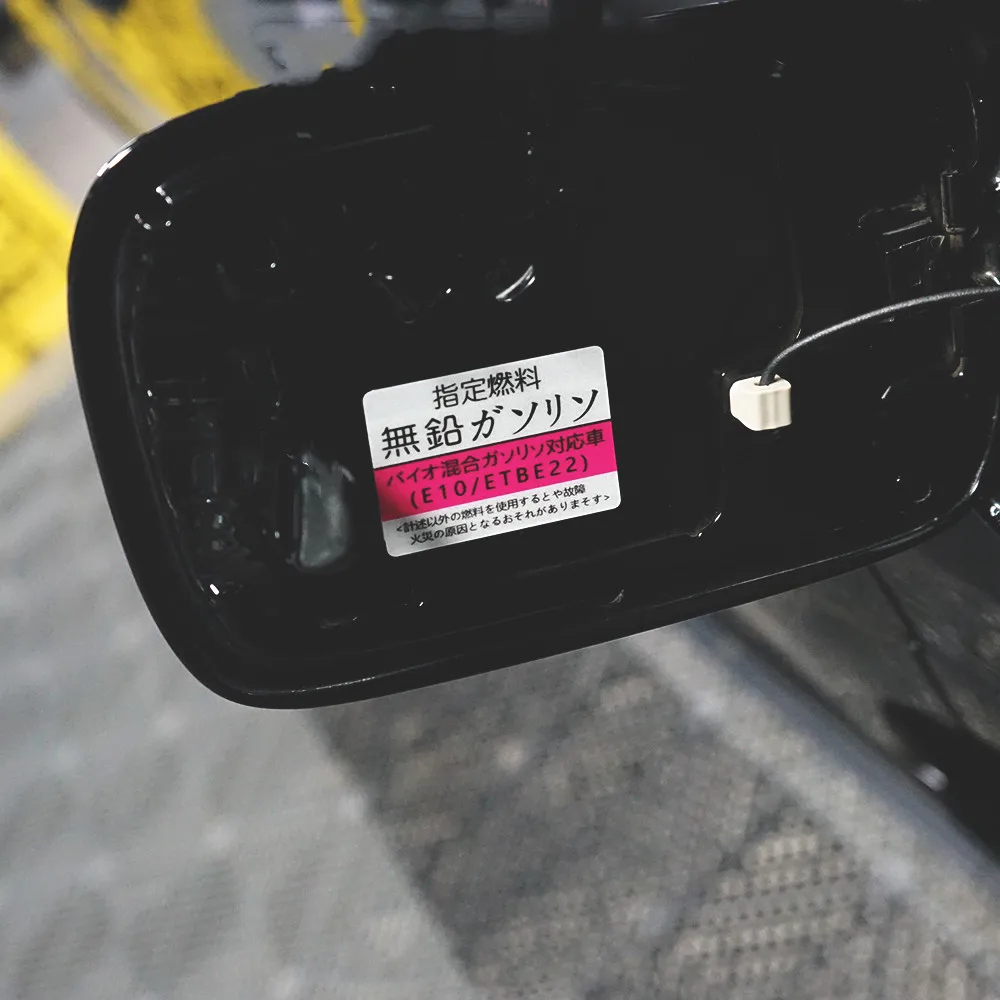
492, 450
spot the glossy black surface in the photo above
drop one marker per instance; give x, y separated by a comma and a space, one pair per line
677, 196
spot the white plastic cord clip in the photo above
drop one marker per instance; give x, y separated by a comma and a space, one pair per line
761, 407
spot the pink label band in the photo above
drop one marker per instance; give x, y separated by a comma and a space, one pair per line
462, 477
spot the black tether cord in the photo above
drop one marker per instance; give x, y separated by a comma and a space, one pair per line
960, 295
